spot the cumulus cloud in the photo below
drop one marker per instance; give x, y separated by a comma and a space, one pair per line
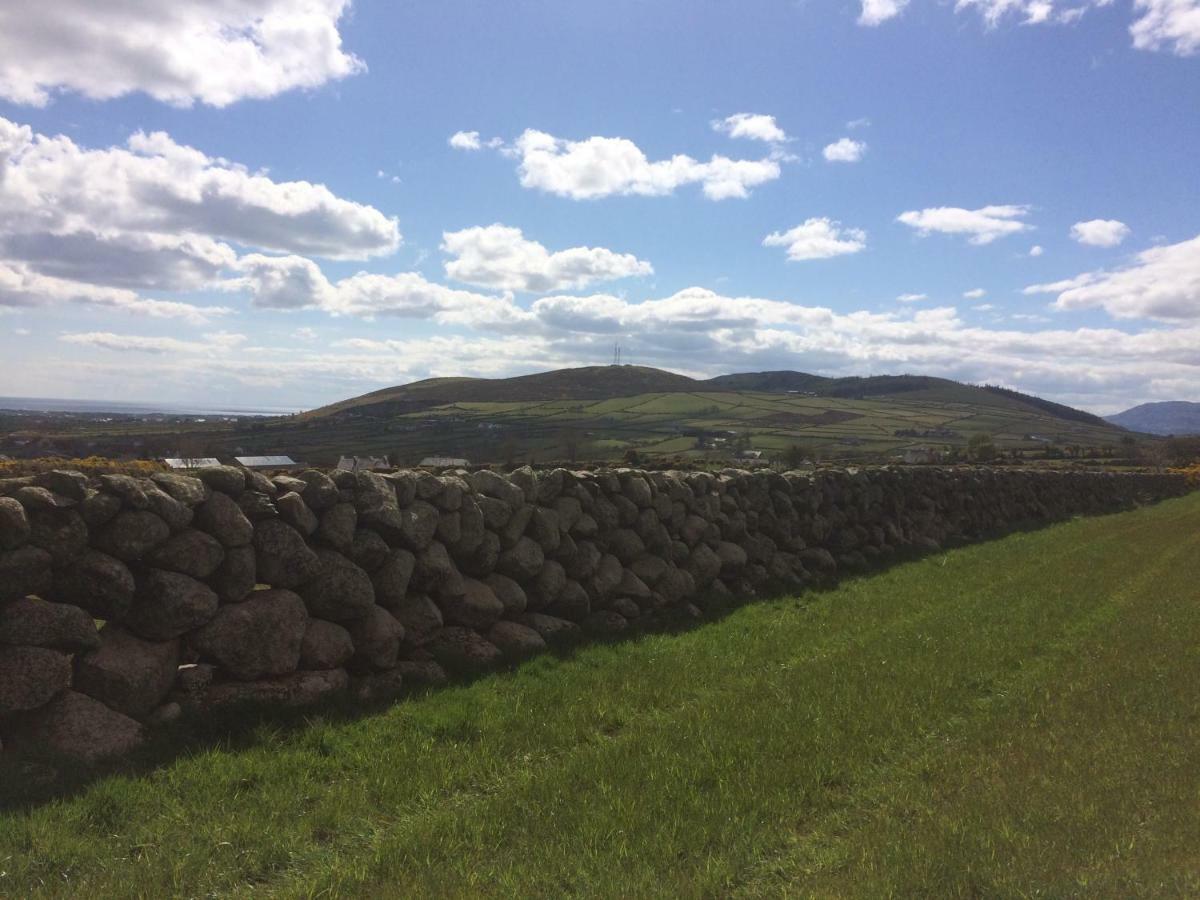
818, 238
844, 150
1100, 232
876, 12
178, 52
500, 257
755, 126
211, 344
293, 283
974, 293
465, 140
604, 167
912, 298
1036, 250
1162, 283
1171, 25
982, 226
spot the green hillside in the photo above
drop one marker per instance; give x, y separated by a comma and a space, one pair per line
1019, 718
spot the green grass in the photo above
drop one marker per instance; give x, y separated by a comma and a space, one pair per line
1019, 718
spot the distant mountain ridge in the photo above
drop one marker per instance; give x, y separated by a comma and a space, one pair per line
610, 382
1177, 417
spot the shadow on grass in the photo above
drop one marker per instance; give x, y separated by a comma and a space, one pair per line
27, 783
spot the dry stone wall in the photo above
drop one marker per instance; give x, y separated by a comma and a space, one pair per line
232, 587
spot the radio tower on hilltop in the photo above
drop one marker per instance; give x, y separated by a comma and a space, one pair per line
616, 354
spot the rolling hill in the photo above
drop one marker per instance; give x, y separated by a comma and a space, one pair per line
1176, 417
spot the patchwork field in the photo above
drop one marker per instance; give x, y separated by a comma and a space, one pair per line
1016, 718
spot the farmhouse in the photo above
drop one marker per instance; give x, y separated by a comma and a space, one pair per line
190, 462
443, 462
266, 462
363, 463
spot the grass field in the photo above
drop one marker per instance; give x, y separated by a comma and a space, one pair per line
1019, 718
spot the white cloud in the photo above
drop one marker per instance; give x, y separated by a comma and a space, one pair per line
501, 258
1100, 232
603, 167
755, 126
982, 226
177, 51
876, 12
293, 282
974, 294
212, 344
912, 298
818, 239
983, 307
1036, 250
1172, 25
844, 150
465, 140
1163, 283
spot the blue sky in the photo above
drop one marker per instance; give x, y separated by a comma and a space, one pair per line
265, 206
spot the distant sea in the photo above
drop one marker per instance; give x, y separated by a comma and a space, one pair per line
51, 404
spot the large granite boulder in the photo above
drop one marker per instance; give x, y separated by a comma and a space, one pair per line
30, 677
76, 729
259, 637
127, 673
189, 552
339, 591
283, 558
167, 605
39, 623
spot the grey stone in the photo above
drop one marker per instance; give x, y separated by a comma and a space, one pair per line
100, 584
418, 524
605, 623
257, 638
477, 607
226, 479
510, 594
189, 552
32, 497
127, 673
460, 649
424, 672
98, 508
376, 686
221, 517
339, 591
237, 575
128, 488
338, 524
78, 729
376, 636
187, 490
368, 550
177, 515
30, 677
294, 511
14, 524
515, 641
326, 645
420, 617
552, 629
167, 605
283, 558
294, 691
522, 561
256, 506
60, 532
40, 623
392, 579
319, 489
26, 570
131, 534
491, 484
435, 571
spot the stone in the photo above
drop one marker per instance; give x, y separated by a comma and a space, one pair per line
40, 623
338, 526
33, 497
26, 570
605, 623
418, 525
493, 485
127, 673
257, 481
221, 517
131, 534
14, 524
608, 575
98, 508
376, 636
294, 511
675, 585
100, 584
187, 490
435, 572
77, 729
339, 591
30, 677
496, 513
516, 527
375, 687
547, 585
226, 479
552, 629
471, 526
476, 607
626, 545
368, 550
543, 525
167, 605
392, 579
626, 607
449, 529
510, 594
60, 532
423, 672
282, 557
818, 558
326, 645
527, 480
650, 569
636, 489
319, 489
704, 565
733, 558
522, 561
257, 506
237, 575
177, 515
255, 639
572, 603
462, 650
192, 678
294, 691
73, 485
420, 617
515, 641
189, 552
480, 561
632, 586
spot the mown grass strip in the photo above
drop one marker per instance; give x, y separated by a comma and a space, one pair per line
1014, 718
